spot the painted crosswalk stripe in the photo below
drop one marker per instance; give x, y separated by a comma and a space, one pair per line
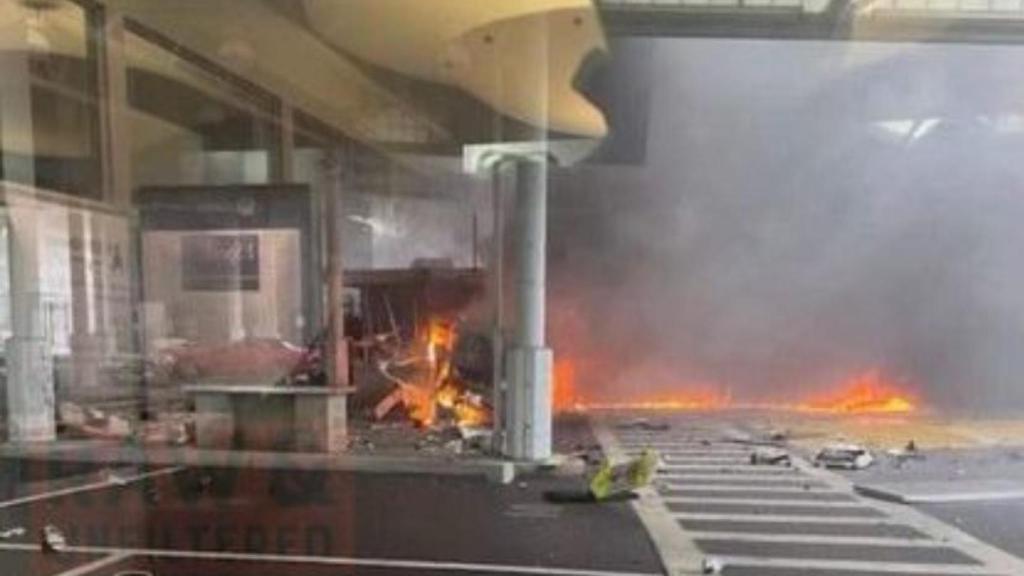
884, 541
794, 518
868, 567
841, 505
689, 485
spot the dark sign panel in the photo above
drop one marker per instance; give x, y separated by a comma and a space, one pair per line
220, 262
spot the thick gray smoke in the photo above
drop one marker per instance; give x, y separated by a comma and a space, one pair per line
804, 211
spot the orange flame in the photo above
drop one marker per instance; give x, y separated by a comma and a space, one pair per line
684, 400
867, 393
441, 387
564, 395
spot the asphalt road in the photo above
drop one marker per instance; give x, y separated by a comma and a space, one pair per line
305, 523
998, 522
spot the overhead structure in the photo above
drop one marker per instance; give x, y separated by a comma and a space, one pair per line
520, 58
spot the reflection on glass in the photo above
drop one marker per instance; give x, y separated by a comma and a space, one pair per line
48, 96
192, 123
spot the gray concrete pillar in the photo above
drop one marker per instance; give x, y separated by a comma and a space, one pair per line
529, 361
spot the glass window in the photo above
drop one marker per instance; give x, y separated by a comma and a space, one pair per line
192, 123
48, 96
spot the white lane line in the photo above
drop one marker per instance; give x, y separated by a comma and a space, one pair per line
791, 479
725, 460
866, 566
788, 518
678, 486
830, 504
96, 564
726, 468
88, 487
669, 453
661, 444
881, 541
334, 561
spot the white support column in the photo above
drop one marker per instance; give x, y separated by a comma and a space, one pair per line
529, 360
30, 389
523, 371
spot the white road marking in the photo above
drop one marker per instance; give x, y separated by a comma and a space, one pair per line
789, 518
816, 539
669, 452
867, 566
704, 460
832, 505
335, 561
666, 444
685, 486
726, 468
781, 479
89, 487
96, 564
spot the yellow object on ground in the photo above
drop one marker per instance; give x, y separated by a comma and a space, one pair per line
618, 479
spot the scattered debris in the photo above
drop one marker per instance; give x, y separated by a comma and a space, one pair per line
71, 414
454, 446
770, 456
711, 565
112, 477
53, 539
644, 424
360, 443
901, 455
118, 426
618, 479
388, 403
772, 438
844, 457
477, 437
566, 464
15, 532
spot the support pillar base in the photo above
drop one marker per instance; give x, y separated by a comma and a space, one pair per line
528, 422
30, 393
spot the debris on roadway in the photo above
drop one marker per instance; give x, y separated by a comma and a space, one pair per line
770, 456
53, 539
901, 456
15, 532
710, 565
625, 478
844, 456
644, 424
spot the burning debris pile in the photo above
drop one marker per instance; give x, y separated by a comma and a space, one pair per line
429, 387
